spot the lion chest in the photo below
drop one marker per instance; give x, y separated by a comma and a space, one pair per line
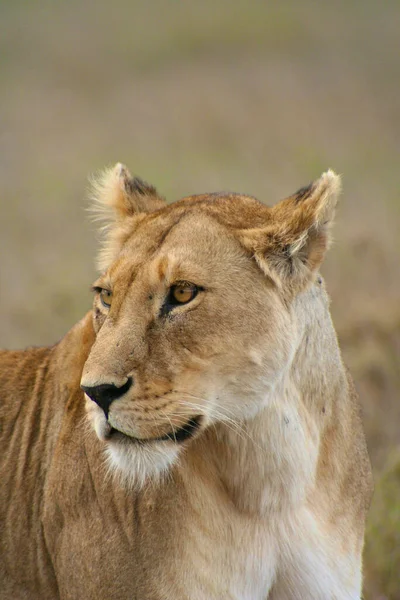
223, 554
232, 561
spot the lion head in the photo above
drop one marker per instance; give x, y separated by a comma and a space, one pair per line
194, 312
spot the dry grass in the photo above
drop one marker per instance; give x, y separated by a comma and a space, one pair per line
197, 96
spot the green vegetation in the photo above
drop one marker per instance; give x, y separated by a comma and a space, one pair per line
382, 552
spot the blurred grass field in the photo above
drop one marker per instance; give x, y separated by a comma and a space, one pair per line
258, 97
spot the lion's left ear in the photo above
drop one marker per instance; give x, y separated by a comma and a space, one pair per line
292, 245
117, 195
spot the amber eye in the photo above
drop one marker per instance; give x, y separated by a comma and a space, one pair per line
182, 293
106, 297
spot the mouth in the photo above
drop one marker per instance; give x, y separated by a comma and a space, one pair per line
178, 436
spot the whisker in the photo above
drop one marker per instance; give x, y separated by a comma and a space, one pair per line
231, 424
170, 422
180, 392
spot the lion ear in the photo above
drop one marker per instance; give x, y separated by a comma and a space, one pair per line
116, 195
117, 198
292, 245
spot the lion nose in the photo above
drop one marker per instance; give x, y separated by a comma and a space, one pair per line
105, 393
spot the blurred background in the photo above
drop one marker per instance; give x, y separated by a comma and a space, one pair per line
250, 96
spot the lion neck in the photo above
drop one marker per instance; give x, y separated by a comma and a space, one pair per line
268, 463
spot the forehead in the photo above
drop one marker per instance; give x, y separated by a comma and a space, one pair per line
197, 231
193, 244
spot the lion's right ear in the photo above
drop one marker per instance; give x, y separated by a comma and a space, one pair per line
117, 198
116, 195
291, 246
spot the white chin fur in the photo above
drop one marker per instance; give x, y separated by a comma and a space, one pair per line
133, 464
136, 464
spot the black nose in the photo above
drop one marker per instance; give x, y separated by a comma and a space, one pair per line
106, 393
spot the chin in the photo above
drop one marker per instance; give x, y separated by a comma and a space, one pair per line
136, 461
135, 465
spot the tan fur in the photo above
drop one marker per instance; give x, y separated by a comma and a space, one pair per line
268, 499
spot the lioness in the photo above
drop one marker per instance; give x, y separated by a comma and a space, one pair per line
221, 453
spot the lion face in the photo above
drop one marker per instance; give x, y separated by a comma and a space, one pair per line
190, 331
192, 360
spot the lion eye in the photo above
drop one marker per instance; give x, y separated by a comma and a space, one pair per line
106, 297
182, 293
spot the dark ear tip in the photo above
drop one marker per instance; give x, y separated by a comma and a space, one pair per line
303, 193
134, 185
138, 186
